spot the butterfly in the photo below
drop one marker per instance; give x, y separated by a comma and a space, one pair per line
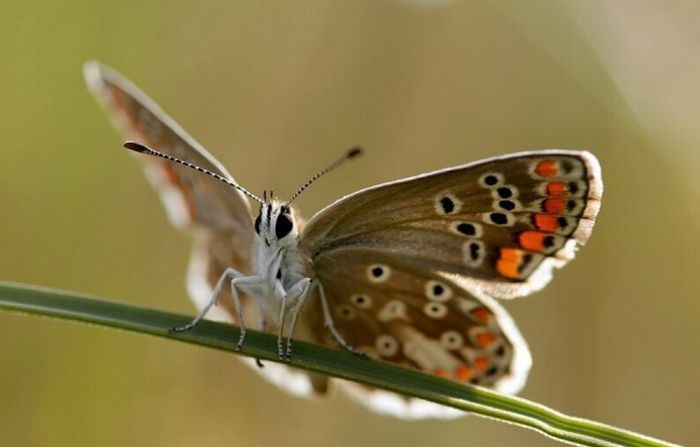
404, 272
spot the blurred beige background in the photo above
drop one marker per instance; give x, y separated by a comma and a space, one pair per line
278, 89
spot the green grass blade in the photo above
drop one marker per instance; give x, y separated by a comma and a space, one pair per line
479, 401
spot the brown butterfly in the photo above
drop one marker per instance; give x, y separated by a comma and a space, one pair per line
403, 272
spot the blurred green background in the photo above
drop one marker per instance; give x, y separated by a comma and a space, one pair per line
278, 89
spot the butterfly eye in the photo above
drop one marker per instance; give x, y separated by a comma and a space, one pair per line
257, 224
283, 226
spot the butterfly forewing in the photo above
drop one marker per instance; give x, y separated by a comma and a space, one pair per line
191, 199
500, 224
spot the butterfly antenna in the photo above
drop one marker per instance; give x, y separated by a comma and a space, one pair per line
138, 147
352, 153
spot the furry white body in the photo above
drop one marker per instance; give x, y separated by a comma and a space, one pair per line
279, 286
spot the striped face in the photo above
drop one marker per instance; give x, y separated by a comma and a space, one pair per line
405, 272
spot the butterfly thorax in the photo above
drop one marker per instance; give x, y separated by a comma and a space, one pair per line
278, 255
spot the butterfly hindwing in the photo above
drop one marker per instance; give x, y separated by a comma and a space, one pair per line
500, 224
386, 308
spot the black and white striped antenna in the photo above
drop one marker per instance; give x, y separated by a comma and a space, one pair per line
350, 154
143, 149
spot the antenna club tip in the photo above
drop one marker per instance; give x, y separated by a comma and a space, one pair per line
354, 152
136, 147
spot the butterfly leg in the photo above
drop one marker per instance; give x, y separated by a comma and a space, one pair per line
263, 324
328, 322
300, 290
247, 284
280, 320
228, 273
261, 313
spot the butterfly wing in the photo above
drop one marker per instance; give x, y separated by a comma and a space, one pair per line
423, 320
219, 217
409, 267
192, 200
499, 225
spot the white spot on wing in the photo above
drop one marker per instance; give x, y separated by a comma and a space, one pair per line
346, 312
361, 301
437, 291
451, 340
505, 192
386, 345
498, 218
456, 204
497, 175
478, 229
378, 273
471, 247
466, 305
435, 310
507, 205
427, 353
393, 310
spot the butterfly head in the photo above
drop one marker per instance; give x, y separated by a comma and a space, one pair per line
276, 223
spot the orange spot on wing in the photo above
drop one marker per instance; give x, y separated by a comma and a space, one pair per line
171, 176
441, 372
121, 101
511, 254
481, 362
482, 314
554, 206
547, 168
464, 373
508, 262
170, 173
546, 222
556, 189
532, 240
485, 338
509, 269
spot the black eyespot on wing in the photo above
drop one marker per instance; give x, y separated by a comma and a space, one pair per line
504, 192
507, 205
548, 241
447, 205
474, 249
467, 229
491, 180
283, 226
499, 218
257, 224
